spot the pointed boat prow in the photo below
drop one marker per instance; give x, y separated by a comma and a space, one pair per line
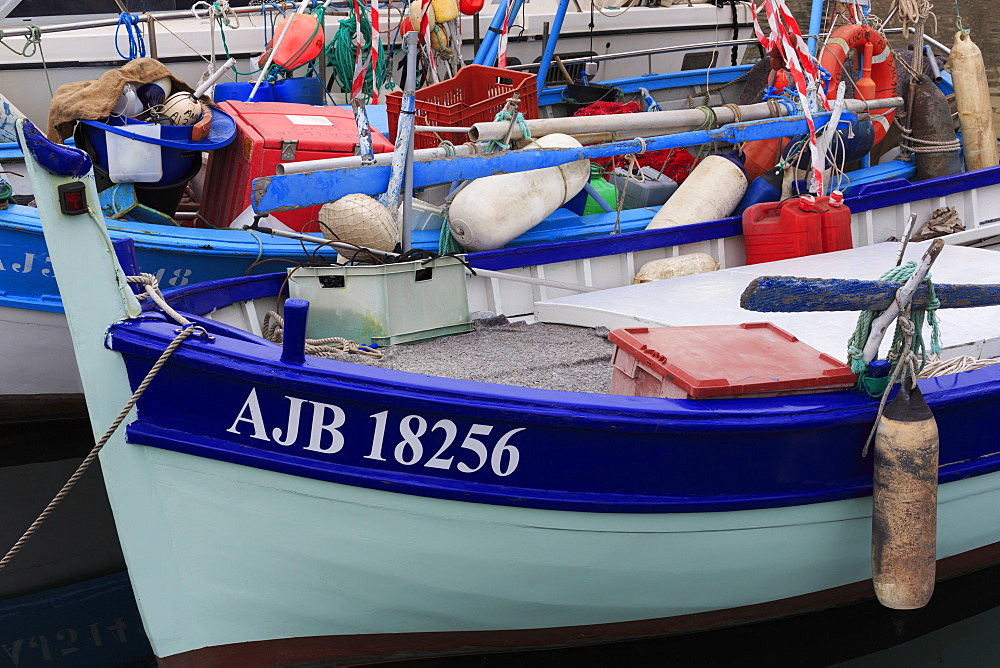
9, 115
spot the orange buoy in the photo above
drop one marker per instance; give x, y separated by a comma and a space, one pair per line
762, 154
303, 42
904, 501
879, 75
470, 7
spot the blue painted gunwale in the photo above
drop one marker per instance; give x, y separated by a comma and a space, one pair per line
179, 255
579, 452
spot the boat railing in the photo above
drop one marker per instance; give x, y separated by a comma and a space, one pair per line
146, 17
647, 53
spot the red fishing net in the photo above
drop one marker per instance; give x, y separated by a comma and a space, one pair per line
675, 163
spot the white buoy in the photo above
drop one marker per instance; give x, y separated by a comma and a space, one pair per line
711, 191
491, 211
972, 95
672, 267
360, 220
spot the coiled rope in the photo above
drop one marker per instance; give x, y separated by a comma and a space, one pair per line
332, 347
342, 53
136, 44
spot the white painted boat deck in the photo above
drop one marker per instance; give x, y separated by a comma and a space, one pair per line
714, 299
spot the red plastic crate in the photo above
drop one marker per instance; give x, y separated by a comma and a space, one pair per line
262, 130
476, 94
716, 361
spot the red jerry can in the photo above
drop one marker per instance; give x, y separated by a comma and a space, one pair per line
796, 227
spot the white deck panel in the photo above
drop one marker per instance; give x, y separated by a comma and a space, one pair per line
714, 299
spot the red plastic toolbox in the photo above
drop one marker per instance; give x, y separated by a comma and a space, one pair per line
476, 94
268, 133
715, 361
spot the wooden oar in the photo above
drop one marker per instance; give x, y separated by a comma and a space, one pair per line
790, 294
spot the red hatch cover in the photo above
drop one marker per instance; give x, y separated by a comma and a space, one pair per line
315, 128
719, 360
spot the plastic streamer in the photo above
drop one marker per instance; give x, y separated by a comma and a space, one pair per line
786, 41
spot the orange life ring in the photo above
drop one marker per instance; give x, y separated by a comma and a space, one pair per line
853, 37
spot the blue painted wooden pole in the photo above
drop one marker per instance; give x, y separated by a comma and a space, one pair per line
129, 261
815, 23
492, 33
293, 344
550, 46
293, 191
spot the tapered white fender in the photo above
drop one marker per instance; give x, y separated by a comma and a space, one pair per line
491, 211
710, 192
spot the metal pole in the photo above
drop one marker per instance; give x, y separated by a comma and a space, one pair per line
550, 44
815, 23
409, 94
151, 36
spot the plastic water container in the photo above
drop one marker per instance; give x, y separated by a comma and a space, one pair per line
795, 227
301, 90
385, 304
836, 225
175, 163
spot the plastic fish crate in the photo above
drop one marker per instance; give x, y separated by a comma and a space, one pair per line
476, 94
385, 304
720, 361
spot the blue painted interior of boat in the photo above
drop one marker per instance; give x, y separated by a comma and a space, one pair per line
565, 225
654, 82
575, 249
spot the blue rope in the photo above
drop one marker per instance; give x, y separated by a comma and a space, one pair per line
136, 45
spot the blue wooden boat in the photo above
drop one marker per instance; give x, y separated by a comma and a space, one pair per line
277, 507
566, 249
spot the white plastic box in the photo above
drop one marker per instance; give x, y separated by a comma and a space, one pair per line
384, 304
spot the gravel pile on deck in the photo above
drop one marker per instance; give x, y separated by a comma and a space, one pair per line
553, 357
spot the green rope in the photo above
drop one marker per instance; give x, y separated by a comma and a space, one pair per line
875, 387
6, 193
225, 47
341, 55
958, 21
504, 115
32, 43
446, 241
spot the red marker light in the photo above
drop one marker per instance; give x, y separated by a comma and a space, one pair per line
73, 198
